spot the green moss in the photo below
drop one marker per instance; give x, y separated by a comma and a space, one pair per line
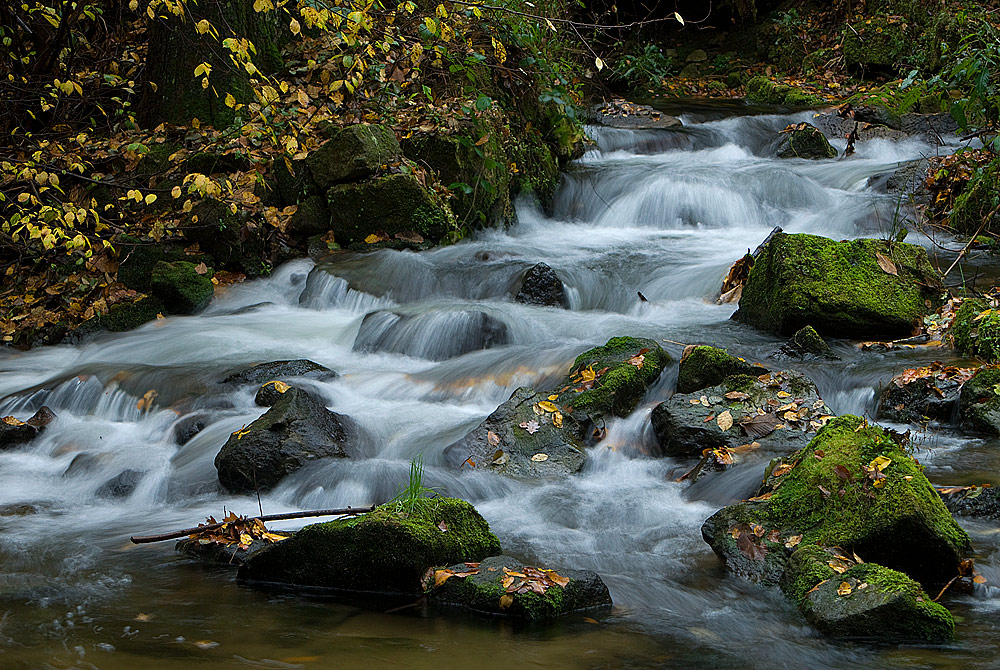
353, 152
706, 366
382, 551
618, 390
879, 45
902, 524
807, 567
979, 402
763, 90
393, 204
181, 288
977, 202
837, 287
806, 142
975, 336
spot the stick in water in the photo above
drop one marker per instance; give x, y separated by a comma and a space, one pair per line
144, 539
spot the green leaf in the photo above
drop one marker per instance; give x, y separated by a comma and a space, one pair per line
483, 102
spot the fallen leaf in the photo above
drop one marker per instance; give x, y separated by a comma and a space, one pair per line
736, 395
725, 420
887, 266
557, 420
540, 458
548, 406
493, 439
280, 387
793, 541
506, 600
530, 426
783, 394
637, 360
201, 268
704, 401
441, 576
880, 463
442, 526
844, 589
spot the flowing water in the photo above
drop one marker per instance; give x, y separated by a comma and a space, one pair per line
661, 212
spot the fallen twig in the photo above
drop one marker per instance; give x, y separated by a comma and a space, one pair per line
346, 511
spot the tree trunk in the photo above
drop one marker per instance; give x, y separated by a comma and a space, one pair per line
173, 93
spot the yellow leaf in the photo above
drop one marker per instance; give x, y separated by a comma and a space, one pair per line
175, 192
880, 463
599, 63
372, 239
539, 458
553, 397
680, 19
245, 539
230, 100
294, 27
202, 26
557, 420
725, 420
548, 406
784, 394
844, 589
506, 600
441, 576
150, 198
279, 386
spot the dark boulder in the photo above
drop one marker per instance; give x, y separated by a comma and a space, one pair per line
214, 553
920, 395
270, 393
979, 402
265, 372
14, 432
859, 288
780, 411
483, 591
541, 286
351, 153
805, 344
973, 501
298, 429
388, 550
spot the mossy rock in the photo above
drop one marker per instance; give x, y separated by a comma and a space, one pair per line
976, 335
181, 288
129, 315
979, 402
808, 142
553, 444
920, 400
282, 370
838, 288
902, 524
807, 566
393, 204
233, 240
685, 426
805, 344
703, 366
384, 551
137, 258
351, 153
763, 90
483, 591
882, 605
878, 46
978, 201
311, 218
483, 197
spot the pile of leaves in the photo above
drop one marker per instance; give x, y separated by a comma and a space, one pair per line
931, 374
947, 177
527, 580
234, 530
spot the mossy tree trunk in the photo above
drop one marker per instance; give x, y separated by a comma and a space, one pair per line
173, 93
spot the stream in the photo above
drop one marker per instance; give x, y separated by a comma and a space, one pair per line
661, 212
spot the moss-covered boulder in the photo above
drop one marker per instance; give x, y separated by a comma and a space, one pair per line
978, 202
702, 366
297, 429
870, 601
921, 395
854, 487
392, 204
976, 330
124, 316
804, 141
233, 240
351, 153
181, 287
311, 218
387, 550
879, 45
863, 288
805, 344
979, 402
763, 90
544, 433
780, 411
506, 587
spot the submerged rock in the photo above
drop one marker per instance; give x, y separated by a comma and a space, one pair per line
222, 554
121, 485
805, 141
979, 402
296, 430
265, 372
923, 394
975, 501
543, 433
805, 344
781, 411
385, 551
483, 591
859, 288
541, 286
14, 432
888, 512
436, 336
703, 366
180, 286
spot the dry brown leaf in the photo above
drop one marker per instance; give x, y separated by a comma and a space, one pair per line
887, 266
725, 420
